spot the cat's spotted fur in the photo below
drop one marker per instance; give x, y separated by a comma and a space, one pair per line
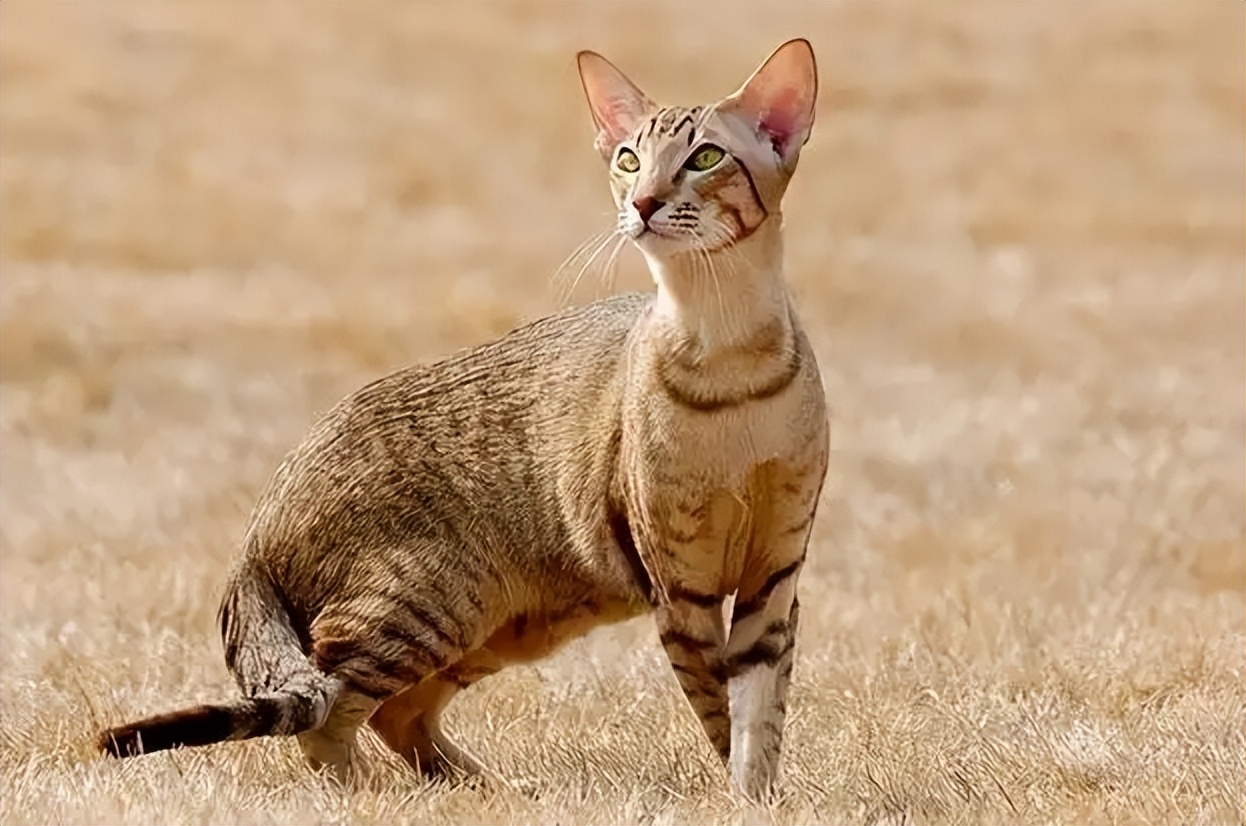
647, 452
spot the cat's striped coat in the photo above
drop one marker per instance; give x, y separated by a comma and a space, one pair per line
647, 452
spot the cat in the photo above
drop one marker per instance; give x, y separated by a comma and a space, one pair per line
653, 452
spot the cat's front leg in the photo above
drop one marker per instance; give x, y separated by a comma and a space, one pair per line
693, 632
758, 667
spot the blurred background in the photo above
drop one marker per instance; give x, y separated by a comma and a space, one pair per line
1015, 238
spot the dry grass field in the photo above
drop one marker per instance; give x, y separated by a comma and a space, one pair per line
1016, 239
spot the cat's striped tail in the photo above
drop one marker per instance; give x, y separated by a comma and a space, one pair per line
286, 694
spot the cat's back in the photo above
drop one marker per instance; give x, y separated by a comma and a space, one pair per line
501, 387
431, 445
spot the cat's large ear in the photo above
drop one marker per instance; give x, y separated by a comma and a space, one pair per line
778, 99
617, 105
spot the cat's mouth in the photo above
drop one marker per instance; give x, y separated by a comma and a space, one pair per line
639, 231
647, 236
665, 241
661, 232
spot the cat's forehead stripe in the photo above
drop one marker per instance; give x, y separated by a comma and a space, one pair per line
670, 121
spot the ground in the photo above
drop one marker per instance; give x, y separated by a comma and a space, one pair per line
1015, 239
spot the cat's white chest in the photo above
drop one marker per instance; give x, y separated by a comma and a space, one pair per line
702, 482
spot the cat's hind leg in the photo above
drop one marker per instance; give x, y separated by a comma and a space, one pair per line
410, 722
379, 647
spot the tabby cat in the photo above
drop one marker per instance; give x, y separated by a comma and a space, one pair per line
649, 452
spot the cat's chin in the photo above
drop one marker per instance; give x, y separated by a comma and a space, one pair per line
658, 244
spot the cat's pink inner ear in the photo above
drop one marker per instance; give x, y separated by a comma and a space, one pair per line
779, 97
617, 116
615, 102
781, 120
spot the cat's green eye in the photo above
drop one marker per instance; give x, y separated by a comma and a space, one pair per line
627, 161
707, 157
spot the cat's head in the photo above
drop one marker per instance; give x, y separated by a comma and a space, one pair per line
708, 176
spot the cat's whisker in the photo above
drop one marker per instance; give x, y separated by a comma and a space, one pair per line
606, 270
580, 251
705, 263
576, 254
734, 258
603, 241
721, 238
618, 251
584, 246
612, 265
724, 253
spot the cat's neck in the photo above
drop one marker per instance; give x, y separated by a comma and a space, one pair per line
726, 299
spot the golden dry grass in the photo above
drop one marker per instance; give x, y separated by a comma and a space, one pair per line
1017, 242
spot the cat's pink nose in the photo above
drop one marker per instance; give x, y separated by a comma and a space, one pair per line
646, 206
